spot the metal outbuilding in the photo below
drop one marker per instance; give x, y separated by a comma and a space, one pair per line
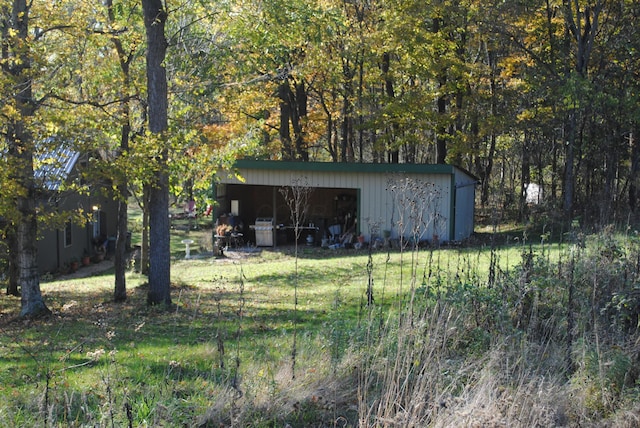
424, 202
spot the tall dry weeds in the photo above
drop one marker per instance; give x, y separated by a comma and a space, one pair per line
296, 197
549, 342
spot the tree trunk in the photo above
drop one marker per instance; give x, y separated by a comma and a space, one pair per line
285, 116
488, 166
441, 141
346, 132
299, 113
333, 152
32, 304
568, 168
633, 173
20, 144
120, 263
159, 252
26, 234
144, 249
525, 177
581, 29
361, 127
394, 152
607, 207
554, 169
14, 271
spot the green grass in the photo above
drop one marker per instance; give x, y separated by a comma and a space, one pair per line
97, 354
223, 356
199, 230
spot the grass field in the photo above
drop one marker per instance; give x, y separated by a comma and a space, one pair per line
238, 349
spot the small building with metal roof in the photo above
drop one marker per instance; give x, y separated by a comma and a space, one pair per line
415, 202
59, 247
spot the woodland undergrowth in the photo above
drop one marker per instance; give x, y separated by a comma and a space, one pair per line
551, 340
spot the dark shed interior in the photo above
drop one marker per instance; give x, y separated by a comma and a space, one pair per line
329, 211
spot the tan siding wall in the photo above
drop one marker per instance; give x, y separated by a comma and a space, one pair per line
376, 202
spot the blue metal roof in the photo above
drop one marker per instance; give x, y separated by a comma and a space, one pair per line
52, 167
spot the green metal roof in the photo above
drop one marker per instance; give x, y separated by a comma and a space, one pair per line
395, 168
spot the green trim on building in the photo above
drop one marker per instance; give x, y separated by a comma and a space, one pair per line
452, 208
360, 229
392, 168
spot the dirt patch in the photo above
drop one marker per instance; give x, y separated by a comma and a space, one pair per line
86, 271
232, 255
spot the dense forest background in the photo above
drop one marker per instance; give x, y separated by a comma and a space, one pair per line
516, 92
159, 95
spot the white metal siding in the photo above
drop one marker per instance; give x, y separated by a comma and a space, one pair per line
377, 203
465, 205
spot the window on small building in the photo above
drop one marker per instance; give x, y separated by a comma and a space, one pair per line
67, 234
96, 223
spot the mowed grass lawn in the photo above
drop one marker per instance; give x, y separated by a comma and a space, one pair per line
226, 348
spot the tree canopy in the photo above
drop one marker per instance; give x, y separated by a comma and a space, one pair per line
537, 91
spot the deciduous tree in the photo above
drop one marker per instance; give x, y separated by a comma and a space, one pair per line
155, 17
18, 112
